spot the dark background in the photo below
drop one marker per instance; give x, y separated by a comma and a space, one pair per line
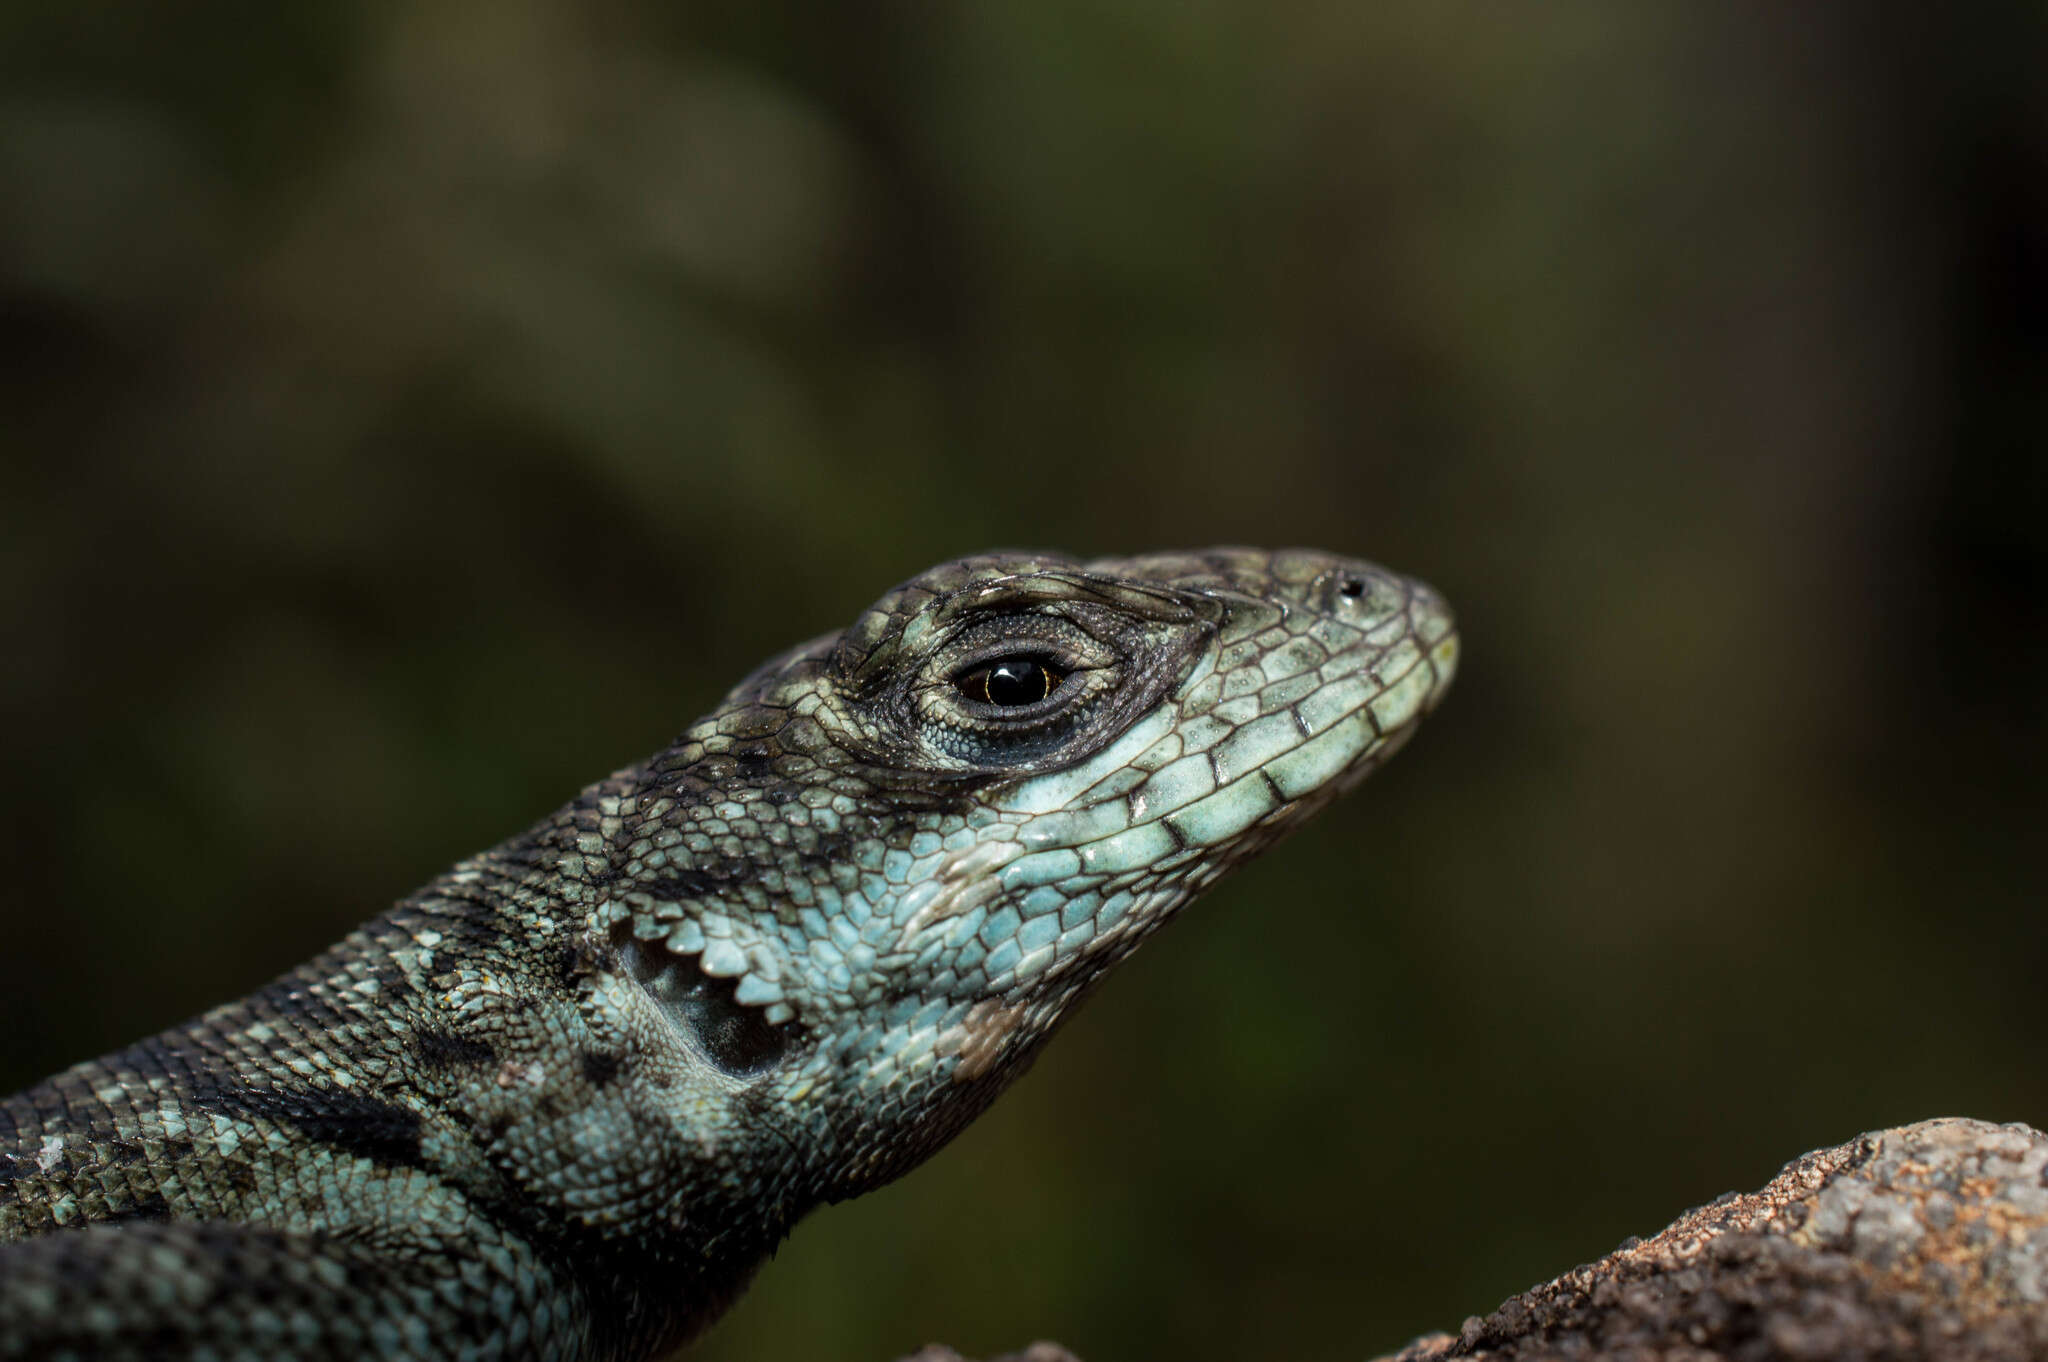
414, 411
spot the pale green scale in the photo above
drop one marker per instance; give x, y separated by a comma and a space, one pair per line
1071, 827
754, 989
1392, 706
1077, 911
1041, 867
1392, 629
1038, 932
1202, 733
1033, 962
960, 929
1002, 959
724, 959
1334, 702
1042, 901
1301, 655
1254, 744
1000, 926
1162, 753
1284, 694
1238, 709
1170, 787
1116, 784
1145, 845
1203, 695
1224, 814
1240, 682
1308, 767
913, 900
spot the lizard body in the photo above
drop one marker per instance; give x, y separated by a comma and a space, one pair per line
563, 1100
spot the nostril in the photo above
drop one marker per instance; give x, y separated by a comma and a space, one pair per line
1352, 588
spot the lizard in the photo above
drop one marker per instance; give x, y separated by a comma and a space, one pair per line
564, 1100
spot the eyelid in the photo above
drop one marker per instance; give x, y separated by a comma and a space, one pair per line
1043, 636
1057, 659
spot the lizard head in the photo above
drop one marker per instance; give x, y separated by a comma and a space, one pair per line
848, 905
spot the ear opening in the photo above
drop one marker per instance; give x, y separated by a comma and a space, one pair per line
735, 1037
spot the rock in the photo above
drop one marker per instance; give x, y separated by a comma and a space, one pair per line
1037, 1352
1929, 1241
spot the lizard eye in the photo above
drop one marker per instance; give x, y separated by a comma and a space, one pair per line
1009, 682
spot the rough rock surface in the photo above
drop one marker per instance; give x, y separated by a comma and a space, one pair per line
1037, 1352
1928, 1241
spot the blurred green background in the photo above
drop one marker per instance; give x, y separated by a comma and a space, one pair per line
412, 412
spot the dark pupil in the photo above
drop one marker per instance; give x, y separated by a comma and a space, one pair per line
1012, 681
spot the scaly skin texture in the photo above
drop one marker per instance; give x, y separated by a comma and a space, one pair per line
562, 1101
